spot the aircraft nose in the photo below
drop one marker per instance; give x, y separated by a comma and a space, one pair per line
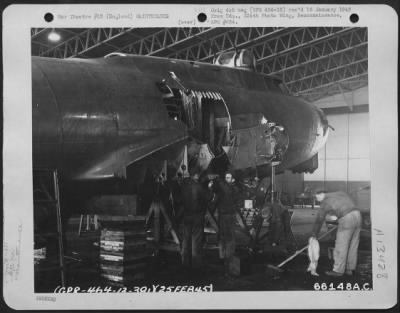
322, 131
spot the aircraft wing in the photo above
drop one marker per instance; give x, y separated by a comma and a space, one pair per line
114, 163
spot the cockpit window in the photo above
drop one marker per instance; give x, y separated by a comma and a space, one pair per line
243, 59
247, 58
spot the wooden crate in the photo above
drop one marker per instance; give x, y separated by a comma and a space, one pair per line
122, 258
123, 247
122, 280
123, 250
123, 271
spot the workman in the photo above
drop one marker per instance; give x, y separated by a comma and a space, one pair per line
280, 232
176, 192
164, 193
195, 198
341, 205
226, 202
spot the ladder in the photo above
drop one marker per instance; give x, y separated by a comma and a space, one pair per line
43, 178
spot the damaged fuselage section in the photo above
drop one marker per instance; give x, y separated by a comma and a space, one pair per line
241, 141
239, 136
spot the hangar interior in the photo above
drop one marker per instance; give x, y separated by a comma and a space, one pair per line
326, 66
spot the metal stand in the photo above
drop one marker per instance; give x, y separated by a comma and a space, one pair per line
273, 182
51, 175
211, 220
256, 238
158, 211
91, 221
242, 223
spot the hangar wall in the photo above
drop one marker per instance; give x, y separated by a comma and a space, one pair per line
344, 163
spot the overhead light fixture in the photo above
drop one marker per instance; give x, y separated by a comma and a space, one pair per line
54, 36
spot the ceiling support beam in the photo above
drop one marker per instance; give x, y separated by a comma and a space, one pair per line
84, 42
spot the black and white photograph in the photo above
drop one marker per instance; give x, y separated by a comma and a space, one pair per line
201, 160
188, 156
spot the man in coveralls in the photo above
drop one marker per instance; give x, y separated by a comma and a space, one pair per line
194, 204
341, 205
226, 203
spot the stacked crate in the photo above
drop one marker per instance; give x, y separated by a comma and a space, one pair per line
123, 248
248, 215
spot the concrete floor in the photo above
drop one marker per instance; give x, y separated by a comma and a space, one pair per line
83, 268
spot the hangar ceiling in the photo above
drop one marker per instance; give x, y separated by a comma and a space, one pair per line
313, 62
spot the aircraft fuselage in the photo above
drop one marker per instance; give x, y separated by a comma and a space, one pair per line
91, 115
